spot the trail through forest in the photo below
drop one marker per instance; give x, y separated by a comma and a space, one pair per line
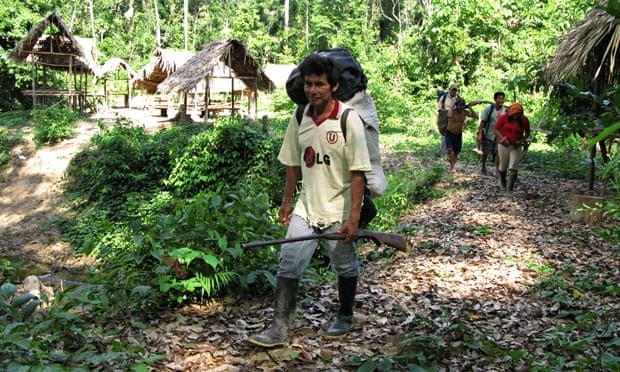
29, 192
477, 258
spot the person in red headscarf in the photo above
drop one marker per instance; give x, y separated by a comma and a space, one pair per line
512, 129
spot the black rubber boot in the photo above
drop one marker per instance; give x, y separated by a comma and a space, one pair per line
283, 309
502, 179
512, 179
344, 320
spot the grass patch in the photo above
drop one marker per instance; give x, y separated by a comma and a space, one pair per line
8, 140
14, 119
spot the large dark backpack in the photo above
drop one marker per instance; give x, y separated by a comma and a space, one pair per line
351, 78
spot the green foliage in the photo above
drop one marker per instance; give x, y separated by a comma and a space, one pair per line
223, 157
8, 140
14, 119
565, 158
125, 159
198, 245
53, 124
54, 337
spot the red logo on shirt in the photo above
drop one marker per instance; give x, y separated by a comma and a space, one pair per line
331, 137
309, 156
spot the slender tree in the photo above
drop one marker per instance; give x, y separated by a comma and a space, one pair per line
185, 11
157, 25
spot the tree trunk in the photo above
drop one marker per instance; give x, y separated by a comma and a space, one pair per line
157, 26
185, 7
92, 19
286, 15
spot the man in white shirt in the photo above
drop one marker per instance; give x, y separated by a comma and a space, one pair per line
332, 168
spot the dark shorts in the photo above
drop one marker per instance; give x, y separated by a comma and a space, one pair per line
454, 141
489, 147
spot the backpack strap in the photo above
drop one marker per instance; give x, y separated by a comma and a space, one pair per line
299, 113
343, 122
443, 101
488, 118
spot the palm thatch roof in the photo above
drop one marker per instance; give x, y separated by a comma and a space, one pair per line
233, 54
163, 63
588, 51
60, 50
279, 73
115, 64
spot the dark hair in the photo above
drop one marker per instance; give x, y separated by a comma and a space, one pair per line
315, 64
497, 94
460, 102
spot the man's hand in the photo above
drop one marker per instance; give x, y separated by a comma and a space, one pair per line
479, 136
349, 228
285, 212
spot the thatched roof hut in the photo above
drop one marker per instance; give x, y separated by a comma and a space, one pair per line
589, 51
60, 50
162, 64
279, 73
115, 64
201, 66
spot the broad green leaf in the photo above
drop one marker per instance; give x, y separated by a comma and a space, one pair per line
8, 289
11, 327
19, 301
604, 134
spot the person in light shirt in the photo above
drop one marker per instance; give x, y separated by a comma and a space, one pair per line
332, 171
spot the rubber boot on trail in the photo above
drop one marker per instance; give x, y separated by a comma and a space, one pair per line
502, 179
284, 306
344, 319
512, 180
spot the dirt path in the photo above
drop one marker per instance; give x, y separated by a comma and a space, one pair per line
468, 287
29, 191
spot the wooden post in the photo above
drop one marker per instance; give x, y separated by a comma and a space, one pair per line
592, 166
207, 98
105, 92
34, 84
232, 92
129, 93
71, 75
85, 90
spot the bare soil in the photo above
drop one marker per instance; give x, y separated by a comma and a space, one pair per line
30, 191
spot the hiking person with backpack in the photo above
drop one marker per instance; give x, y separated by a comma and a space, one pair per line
444, 104
332, 166
457, 118
512, 129
486, 136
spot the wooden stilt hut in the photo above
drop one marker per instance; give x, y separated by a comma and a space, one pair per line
162, 64
590, 51
110, 72
57, 51
205, 68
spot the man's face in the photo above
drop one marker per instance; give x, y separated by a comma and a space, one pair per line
453, 92
317, 89
499, 101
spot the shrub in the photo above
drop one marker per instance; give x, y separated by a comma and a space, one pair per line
8, 140
222, 158
53, 124
123, 160
197, 247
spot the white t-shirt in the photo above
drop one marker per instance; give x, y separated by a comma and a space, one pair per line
326, 161
488, 133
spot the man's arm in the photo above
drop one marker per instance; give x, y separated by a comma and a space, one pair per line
350, 226
290, 184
